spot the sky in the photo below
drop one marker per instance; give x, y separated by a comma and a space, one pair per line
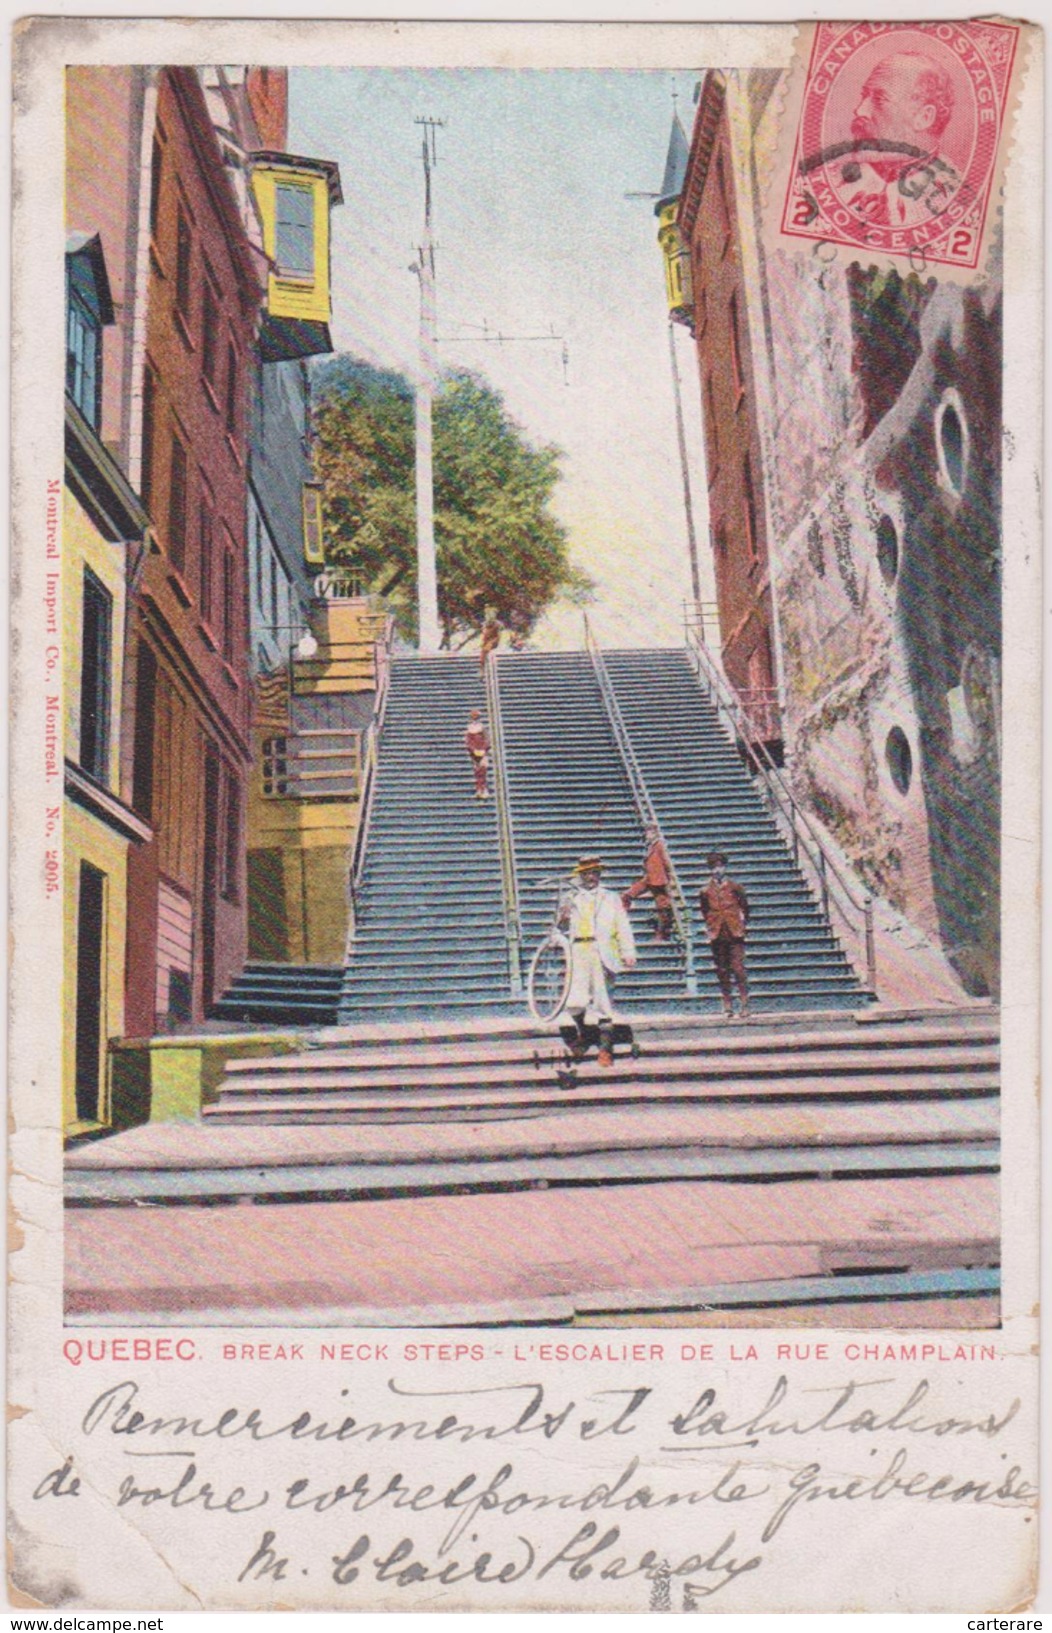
533, 234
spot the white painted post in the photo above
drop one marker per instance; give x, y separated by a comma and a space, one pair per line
426, 574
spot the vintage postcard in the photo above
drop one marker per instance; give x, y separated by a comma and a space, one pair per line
526, 675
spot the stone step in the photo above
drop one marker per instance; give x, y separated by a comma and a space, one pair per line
772, 1051
349, 1180
436, 1097
567, 1128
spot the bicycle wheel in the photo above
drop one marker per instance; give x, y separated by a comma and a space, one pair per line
549, 978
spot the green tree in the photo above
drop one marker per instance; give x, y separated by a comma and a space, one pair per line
497, 542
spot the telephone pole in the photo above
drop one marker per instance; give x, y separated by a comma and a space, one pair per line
424, 268
684, 469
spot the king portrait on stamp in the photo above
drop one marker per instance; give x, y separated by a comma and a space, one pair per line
897, 139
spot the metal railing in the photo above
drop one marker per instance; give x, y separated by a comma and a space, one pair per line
319, 764
762, 712
706, 614
644, 806
370, 762
339, 584
809, 852
505, 832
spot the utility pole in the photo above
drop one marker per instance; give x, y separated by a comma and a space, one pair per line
668, 237
428, 633
684, 466
424, 268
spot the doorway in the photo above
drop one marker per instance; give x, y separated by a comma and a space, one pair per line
91, 928
210, 881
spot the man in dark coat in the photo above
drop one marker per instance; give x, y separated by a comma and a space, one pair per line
725, 909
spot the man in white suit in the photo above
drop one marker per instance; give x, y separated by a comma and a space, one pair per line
601, 944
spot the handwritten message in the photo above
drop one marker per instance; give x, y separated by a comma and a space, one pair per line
651, 1493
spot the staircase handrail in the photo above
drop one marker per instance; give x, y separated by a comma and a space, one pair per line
505, 829
370, 761
644, 804
834, 890
382, 650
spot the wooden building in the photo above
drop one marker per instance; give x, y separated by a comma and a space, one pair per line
104, 534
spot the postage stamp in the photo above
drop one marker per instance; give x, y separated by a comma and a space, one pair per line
895, 140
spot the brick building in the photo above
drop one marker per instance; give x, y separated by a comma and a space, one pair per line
853, 443
187, 757
710, 209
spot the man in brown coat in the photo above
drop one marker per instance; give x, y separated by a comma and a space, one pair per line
725, 909
491, 633
656, 876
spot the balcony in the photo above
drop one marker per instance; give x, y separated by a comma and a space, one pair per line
762, 714
295, 197
322, 764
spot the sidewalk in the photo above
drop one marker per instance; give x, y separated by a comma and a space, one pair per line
442, 1258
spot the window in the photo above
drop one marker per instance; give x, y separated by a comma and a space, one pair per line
96, 653
156, 166
899, 757
294, 246
737, 371
209, 333
183, 250
232, 838
149, 395
723, 200
951, 443
177, 507
713, 429
206, 532
749, 497
83, 343
231, 390
261, 586
275, 767
145, 708
228, 606
313, 537
887, 550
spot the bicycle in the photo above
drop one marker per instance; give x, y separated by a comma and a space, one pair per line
548, 981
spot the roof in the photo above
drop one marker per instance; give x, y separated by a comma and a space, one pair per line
328, 168
675, 163
90, 246
706, 124
249, 264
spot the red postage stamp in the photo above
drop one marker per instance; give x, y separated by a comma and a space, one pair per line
894, 138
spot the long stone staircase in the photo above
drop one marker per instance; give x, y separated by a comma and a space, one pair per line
429, 915
827, 1159
570, 795
430, 926
705, 799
